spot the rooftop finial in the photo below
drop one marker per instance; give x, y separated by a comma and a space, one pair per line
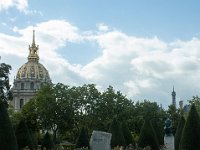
173, 88
33, 50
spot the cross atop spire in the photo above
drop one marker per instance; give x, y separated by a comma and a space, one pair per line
33, 50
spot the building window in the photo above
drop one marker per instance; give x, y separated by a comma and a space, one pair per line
21, 103
22, 86
32, 86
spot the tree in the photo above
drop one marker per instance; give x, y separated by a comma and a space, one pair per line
148, 136
178, 134
174, 115
24, 137
82, 140
7, 136
5, 93
47, 142
191, 132
127, 134
159, 132
147, 110
117, 135
195, 100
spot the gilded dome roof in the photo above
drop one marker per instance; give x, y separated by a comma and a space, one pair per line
33, 69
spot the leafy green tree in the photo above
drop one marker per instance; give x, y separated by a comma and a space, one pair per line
7, 136
82, 140
127, 134
112, 104
178, 134
148, 136
147, 110
24, 137
5, 93
195, 100
117, 134
47, 142
30, 116
191, 131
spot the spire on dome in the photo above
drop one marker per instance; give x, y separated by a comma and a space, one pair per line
33, 50
33, 43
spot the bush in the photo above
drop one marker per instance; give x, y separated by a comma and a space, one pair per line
117, 135
127, 134
7, 137
47, 142
82, 140
191, 132
178, 134
23, 136
148, 136
159, 132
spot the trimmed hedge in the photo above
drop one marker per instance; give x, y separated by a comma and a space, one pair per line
179, 131
191, 133
7, 137
148, 136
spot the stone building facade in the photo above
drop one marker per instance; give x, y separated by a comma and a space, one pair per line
30, 77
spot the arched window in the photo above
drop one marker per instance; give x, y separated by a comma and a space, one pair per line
32, 86
21, 103
22, 86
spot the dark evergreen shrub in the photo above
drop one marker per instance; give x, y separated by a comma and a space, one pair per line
117, 135
148, 136
82, 140
7, 136
178, 134
127, 134
159, 131
23, 136
190, 139
47, 142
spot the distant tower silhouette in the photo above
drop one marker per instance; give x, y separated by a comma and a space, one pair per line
173, 97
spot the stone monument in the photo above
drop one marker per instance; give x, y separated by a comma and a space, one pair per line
168, 138
100, 140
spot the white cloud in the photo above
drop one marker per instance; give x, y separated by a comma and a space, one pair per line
142, 68
21, 5
103, 27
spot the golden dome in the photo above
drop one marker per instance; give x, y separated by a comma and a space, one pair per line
33, 69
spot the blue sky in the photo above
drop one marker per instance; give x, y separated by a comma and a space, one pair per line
140, 47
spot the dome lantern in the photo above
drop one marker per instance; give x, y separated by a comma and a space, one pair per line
33, 50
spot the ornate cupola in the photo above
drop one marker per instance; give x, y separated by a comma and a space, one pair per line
30, 77
33, 69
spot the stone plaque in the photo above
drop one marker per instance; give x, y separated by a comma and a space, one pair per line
100, 140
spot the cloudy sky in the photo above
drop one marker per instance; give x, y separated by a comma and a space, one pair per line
140, 47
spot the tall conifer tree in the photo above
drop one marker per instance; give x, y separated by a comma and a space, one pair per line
23, 136
191, 132
178, 134
117, 135
82, 140
148, 136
